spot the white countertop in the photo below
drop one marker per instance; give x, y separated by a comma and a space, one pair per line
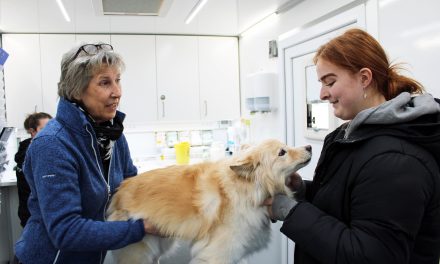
8, 178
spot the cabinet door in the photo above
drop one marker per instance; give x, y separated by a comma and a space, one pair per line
219, 81
139, 96
22, 77
52, 48
177, 78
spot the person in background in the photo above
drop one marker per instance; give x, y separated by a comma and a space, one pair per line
33, 124
75, 164
375, 195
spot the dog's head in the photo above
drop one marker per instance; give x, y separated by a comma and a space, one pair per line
271, 165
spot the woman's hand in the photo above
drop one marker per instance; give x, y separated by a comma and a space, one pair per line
279, 206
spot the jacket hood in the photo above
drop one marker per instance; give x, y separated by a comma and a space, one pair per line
413, 118
403, 108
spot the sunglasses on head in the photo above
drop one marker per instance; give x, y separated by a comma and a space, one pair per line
93, 49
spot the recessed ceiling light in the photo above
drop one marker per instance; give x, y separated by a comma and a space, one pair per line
63, 10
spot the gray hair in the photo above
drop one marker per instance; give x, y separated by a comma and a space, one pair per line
76, 73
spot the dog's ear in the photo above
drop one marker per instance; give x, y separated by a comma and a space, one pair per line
244, 168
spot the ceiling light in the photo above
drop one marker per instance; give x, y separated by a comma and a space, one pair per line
287, 6
273, 14
63, 10
195, 10
132, 7
384, 3
261, 25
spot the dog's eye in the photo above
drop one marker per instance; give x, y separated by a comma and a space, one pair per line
282, 152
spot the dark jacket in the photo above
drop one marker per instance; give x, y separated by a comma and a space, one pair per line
69, 194
375, 196
22, 185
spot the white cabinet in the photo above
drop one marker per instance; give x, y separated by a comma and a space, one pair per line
177, 78
197, 78
218, 76
33, 70
52, 48
22, 77
167, 78
139, 95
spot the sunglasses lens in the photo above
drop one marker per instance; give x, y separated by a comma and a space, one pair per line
90, 49
106, 47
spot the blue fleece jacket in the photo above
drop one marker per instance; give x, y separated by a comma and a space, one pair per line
69, 194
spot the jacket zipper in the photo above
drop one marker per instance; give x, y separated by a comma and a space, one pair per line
56, 257
108, 190
102, 176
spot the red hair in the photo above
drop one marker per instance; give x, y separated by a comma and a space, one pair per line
356, 49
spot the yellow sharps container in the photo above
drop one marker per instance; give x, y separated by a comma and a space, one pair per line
182, 152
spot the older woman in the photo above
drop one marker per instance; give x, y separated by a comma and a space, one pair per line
75, 164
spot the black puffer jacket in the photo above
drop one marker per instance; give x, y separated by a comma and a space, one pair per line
23, 187
375, 196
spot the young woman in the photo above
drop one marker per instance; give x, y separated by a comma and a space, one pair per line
375, 195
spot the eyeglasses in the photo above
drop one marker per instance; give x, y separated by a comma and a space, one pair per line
93, 49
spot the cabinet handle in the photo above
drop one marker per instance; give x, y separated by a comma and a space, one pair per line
206, 108
162, 97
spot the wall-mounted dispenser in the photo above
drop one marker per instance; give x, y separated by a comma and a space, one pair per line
260, 92
273, 49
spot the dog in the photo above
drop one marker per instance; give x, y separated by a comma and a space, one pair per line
215, 205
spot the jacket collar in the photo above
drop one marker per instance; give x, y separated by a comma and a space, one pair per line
71, 116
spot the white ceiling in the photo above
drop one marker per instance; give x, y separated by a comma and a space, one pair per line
218, 17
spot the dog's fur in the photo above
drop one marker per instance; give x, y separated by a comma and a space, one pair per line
215, 205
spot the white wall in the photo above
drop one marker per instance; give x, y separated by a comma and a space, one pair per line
254, 49
410, 33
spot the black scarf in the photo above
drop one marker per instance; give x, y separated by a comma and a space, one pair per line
106, 134
108, 130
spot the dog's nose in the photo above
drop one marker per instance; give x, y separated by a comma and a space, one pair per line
308, 148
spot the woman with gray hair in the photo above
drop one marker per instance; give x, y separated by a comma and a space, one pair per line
75, 165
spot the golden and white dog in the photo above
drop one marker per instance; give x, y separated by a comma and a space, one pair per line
215, 205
